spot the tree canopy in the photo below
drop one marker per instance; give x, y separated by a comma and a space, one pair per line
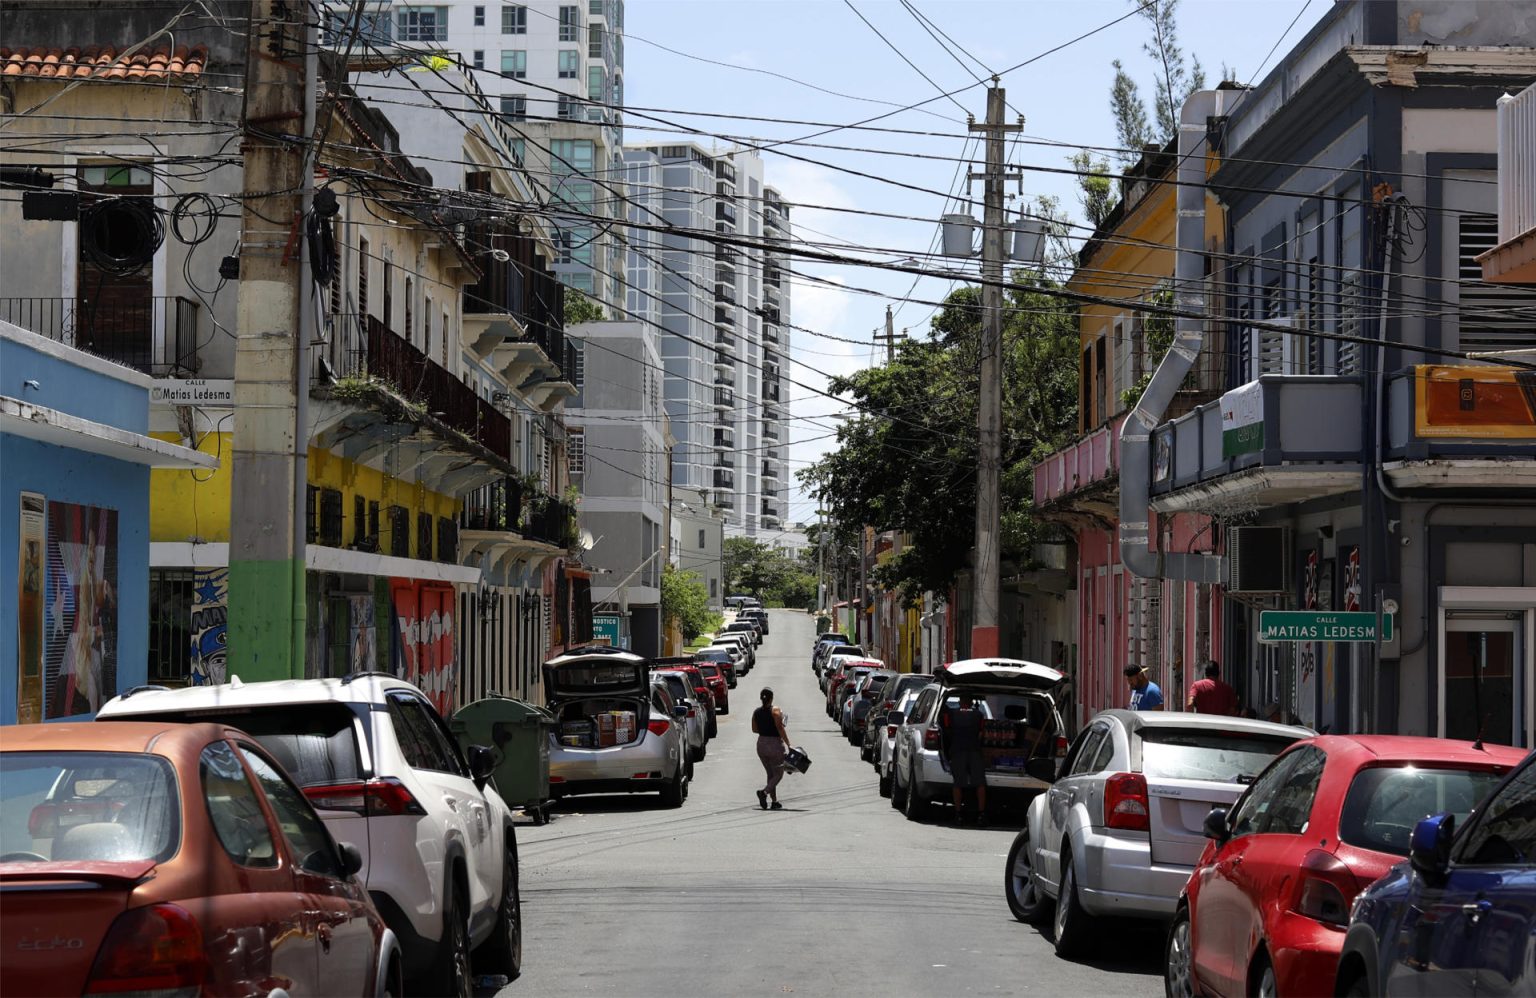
685, 601
752, 568
1173, 81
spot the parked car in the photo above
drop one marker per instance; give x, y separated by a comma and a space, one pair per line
885, 760
748, 648
1458, 917
696, 735
715, 674
1269, 899
702, 691
616, 731
384, 771
725, 658
741, 602
830, 649
824, 638
760, 615
838, 685
1018, 701
747, 626
869, 693
734, 652
891, 694
175, 859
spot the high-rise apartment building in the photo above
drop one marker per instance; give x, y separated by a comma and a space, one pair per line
555, 71
726, 312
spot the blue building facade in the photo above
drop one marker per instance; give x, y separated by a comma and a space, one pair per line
75, 459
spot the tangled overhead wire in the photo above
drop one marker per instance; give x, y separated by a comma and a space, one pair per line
194, 218
320, 231
120, 235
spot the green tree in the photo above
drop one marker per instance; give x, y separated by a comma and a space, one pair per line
685, 601
1095, 188
752, 568
580, 308
1173, 82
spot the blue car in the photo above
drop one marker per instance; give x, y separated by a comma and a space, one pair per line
1459, 917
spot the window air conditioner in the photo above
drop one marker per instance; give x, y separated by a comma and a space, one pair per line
1260, 559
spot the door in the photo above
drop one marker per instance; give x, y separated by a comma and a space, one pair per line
1094, 743
1484, 690
114, 314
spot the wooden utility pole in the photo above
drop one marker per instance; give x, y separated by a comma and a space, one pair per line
268, 481
985, 639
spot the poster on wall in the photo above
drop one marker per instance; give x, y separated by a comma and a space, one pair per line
29, 617
80, 624
210, 625
362, 640
423, 651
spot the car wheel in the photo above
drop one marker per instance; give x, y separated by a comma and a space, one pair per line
1024, 898
1356, 987
451, 975
885, 784
503, 952
1263, 977
915, 807
713, 730
1071, 920
688, 766
898, 792
698, 755
1178, 958
673, 793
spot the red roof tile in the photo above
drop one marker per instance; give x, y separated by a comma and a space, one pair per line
102, 62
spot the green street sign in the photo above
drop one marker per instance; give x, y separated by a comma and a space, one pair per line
606, 629
1276, 626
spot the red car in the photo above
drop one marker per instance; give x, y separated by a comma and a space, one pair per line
174, 859
1267, 906
714, 675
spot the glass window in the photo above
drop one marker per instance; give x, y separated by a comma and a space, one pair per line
514, 107
1505, 833
570, 24
519, 151
479, 16
436, 750
421, 24
234, 809
595, 7
88, 805
572, 155
1385, 802
1249, 814
595, 41
1207, 754
514, 63
477, 59
314, 743
308, 840
597, 83
569, 64
567, 108
1106, 752
1280, 803
1086, 751
514, 20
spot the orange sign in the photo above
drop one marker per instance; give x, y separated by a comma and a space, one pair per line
1475, 402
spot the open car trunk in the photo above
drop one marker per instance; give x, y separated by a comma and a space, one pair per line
1019, 700
600, 722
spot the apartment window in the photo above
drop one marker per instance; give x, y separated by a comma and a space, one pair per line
579, 368
595, 7
477, 59
311, 510
330, 517
701, 538
616, 15
362, 276
597, 83
568, 108
421, 24
572, 155
618, 92
578, 194
514, 20
576, 452
570, 24
515, 107
595, 41
570, 64
479, 16
514, 63
373, 28
579, 244
424, 536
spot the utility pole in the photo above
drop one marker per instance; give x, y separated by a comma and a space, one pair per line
985, 639
266, 551
889, 337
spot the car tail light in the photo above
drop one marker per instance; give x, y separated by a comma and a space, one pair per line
1325, 888
890, 731
693, 712
931, 737
1061, 746
658, 725
1125, 802
557, 779
153, 950
387, 796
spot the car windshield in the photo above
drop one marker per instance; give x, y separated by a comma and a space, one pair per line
1385, 802
710, 671
87, 806
1207, 753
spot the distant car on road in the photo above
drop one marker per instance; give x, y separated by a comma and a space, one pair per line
891, 694
759, 615
695, 722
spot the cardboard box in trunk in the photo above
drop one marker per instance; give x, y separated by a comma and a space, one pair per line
624, 727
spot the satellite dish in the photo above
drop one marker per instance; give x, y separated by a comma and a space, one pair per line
585, 540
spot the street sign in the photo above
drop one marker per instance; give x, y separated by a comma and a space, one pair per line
606, 629
1277, 626
192, 391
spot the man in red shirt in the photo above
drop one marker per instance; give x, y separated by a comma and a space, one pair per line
1212, 696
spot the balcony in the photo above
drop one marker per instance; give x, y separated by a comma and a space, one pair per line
156, 335
770, 471
725, 500
1512, 260
725, 437
725, 398
770, 333
1083, 476
770, 313
770, 391
725, 171
725, 342
770, 431
725, 212
497, 507
1284, 439
772, 509
725, 460
1460, 427
725, 291
725, 479
725, 316
724, 362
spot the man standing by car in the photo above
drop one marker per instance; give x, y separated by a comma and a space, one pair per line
962, 750
1212, 696
1145, 694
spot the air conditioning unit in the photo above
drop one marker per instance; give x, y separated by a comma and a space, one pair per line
1260, 559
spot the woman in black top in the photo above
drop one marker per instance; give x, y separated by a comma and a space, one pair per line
772, 740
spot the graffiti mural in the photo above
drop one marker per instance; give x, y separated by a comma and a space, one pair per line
423, 648
362, 636
210, 625
80, 617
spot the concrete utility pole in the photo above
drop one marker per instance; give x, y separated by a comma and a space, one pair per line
985, 641
266, 551
888, 337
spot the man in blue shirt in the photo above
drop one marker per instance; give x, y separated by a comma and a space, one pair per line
1145, 694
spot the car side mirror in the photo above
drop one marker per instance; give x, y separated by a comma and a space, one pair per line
482, 763
350, 858
1429, 850
1041, 768
680, 711
895, 717
1216, 826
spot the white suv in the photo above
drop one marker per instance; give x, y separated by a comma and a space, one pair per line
382, 769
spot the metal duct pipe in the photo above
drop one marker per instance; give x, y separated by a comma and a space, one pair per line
1189, 335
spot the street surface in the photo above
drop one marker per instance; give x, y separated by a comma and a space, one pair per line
835, 895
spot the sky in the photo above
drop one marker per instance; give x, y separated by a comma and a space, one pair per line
834, 68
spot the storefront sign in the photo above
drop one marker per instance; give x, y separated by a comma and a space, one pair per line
1277, 626
192, 391
1242, 420
606, 629
1474, 403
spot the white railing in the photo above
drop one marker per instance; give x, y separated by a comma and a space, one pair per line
1517, 164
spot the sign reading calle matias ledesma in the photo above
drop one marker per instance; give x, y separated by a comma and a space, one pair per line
192, 391
1276, 626
1242, 420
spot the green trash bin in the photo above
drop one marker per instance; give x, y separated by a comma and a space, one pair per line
518, 733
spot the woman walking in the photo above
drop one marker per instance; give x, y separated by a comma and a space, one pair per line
772, 740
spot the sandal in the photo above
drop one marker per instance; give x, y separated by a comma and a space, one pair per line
762, 800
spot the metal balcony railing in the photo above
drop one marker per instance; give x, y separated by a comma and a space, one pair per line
724, 398
550, 520
725, 437
725, 479
725, 460
153, 334
725, 316
497, 506
1517, 164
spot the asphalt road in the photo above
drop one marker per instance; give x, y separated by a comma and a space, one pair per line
835, 895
